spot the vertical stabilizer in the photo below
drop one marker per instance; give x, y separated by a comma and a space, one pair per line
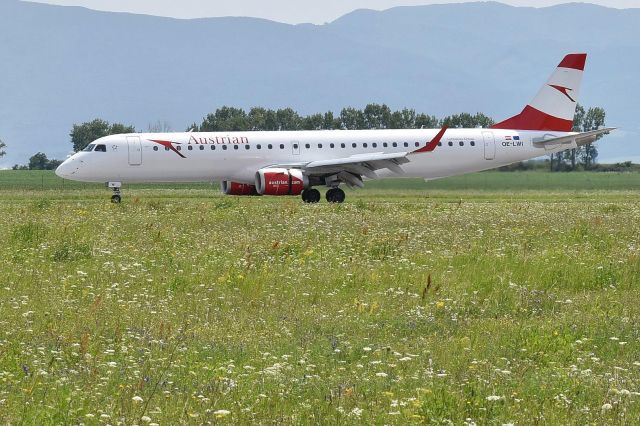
555, 104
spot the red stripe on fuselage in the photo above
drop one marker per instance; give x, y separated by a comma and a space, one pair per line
433, 144
169, 145
532, 119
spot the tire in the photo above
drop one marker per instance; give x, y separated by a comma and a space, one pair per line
336, 195
116, 199
311, 196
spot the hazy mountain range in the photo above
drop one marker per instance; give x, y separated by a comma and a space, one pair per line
64, 65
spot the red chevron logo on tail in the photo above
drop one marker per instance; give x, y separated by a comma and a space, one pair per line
563, 90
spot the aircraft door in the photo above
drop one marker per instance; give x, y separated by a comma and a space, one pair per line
135, 150
295, 147
489, 145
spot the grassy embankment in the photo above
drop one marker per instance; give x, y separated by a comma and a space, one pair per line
475, 298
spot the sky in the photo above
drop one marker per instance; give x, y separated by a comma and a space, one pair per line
289, 11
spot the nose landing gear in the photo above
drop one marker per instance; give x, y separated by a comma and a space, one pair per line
116, 198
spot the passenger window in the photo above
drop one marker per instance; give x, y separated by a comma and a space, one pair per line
461, 143
473, 143
190, 148
364, 145
450, 143
213, 147
395, 145
201, 147
439, 143
319, 146
89, 147
385, 144
307, 146
281, 146
354, 145
375, 145
259, 146
224, 147
179, 148
406, 144
166, 148
332, 145
155, 148
235, 147
342, 145
295, 146
247, 147
270, 146
417, 144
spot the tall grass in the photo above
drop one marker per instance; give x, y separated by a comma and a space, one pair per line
186, 307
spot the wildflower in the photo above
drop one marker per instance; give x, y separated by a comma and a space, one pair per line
381, 374
607, 407
146, 419
356, 412
440, 305
494, 398
221, 413
137, 399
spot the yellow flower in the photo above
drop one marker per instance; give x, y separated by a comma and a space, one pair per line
440, 305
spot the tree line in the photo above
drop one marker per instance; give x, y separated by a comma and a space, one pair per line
372, 116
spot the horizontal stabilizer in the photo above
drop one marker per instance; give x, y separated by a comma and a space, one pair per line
577, 138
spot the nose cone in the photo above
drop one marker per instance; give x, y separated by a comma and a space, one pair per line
66, 169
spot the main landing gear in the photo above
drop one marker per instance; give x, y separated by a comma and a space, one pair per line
334, 195
311, 196
116, 198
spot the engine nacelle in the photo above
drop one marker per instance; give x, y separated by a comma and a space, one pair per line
281, 181
235, 188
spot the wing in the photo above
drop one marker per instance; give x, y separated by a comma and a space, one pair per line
551, 142
350, 170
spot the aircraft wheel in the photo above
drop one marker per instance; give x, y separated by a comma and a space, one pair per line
116, 199
311, 196
336, 195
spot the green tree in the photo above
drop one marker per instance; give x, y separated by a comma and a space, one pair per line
313, 122
39, 161
2, 147
85, 133
593, 119
468, 121
262, 119
352, 119
225, 119
426, 121
377, 116
288, 119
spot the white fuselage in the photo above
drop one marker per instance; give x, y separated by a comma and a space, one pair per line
237, 156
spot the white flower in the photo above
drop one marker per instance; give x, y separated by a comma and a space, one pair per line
137, 399
366, 349
145, 419
381, 374
222, 413
357, 412
494, 398
607, 407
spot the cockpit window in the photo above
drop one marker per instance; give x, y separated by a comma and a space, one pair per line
101, 148
89, 147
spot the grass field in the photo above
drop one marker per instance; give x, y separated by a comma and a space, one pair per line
454, 301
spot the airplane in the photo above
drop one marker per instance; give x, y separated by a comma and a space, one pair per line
287, 163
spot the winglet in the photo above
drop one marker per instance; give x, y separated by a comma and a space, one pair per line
433, 144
